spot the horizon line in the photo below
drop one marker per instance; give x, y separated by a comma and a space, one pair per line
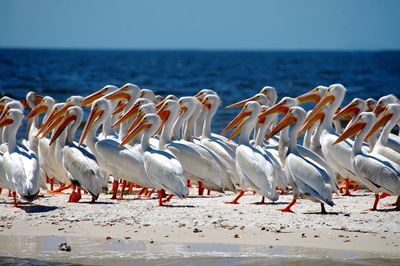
198, 49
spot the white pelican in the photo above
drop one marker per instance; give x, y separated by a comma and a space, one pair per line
338, 156
355, 108
308, 178
377, 172
79, 165
161, 166
256, 167
20, 165
371, 103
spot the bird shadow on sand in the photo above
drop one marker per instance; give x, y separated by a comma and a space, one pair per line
270, 203
389, 210
178, 206
97, 202
37, 208
327, 213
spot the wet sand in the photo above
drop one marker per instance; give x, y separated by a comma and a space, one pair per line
210, 228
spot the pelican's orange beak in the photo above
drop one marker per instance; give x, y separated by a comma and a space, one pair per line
94, 114
379, 108
54, 115
351, 131
53, 124
306, 126
277, 108
120, 107
288, 120
327, 99
311, 96
381, 121
183, 110
128, 114
5, 121
87, 101
40, 108
241, 103
164, 115
63, 125
349, 109
134, 132
237, 120
119, 95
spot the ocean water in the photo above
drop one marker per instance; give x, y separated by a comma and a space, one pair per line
233, 74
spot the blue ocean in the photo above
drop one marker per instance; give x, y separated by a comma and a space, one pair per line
233, 74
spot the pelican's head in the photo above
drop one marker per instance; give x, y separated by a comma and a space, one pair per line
169, 106
46, 104
211, 101
333, 96
364, 123
203, 93
355, 107
371, 103
188, 105
3, 101
271, 94
169, 97
159, 99
149, 122
249, 108
73, 114
88, 100
391, 112
314, 95
11, 117
125, 93
259, 97
149, 94
295, 115
282, 106
32, 99
52, 120
383, 101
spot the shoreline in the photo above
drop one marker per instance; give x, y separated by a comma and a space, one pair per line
202, 221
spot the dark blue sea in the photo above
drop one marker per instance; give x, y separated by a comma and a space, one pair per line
233, 74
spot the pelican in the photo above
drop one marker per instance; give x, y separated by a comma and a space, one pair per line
377, 172
33, 99
338, 156
308, 178
161, 166
21, 166
256, 167
355, 107
79, 165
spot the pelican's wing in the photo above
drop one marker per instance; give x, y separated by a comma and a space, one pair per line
83, 169
309, 178
378, 173
167, 172
256, 170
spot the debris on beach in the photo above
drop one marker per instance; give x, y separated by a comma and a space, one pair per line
64, 247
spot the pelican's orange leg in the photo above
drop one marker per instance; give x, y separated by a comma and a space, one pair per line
114, 189
236, 200
201, 188
122, 189
288, 208
15, 199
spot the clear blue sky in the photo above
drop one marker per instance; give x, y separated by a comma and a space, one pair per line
204, 24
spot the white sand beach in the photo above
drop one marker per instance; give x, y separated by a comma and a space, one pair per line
206, 219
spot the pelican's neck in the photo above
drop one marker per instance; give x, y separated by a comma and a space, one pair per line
189, 130
247, 128
263, 130
208, 120
92, 134
283, 143
108, 121
358, 143
177, 128
145, 142
72, 130
166, 132
200, 123
10, 136
383, 138
293, 133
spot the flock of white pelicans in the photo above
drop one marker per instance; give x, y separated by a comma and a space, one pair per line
161, 145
